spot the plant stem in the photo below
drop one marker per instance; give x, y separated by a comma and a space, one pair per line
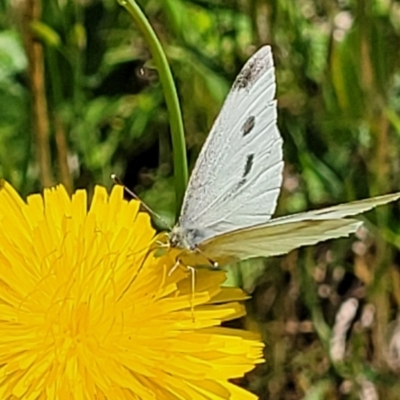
34, 51
171, 98
62, 149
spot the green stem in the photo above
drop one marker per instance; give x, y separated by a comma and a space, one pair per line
171, 97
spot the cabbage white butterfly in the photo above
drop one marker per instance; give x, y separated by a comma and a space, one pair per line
233, 190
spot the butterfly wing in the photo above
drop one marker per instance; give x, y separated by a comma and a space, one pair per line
237, 178
281, 235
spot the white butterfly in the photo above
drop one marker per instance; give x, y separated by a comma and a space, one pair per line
234, 186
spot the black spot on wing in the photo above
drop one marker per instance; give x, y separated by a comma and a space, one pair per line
248, 125
247, 169
244, 79
249, 165
252, 70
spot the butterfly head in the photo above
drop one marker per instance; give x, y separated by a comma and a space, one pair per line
188, 240
182, 238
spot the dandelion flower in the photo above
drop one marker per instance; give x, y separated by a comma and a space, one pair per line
89, 312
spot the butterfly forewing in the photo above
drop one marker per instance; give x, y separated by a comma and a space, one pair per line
237, 178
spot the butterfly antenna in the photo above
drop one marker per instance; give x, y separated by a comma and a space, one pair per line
213, 263
142, 203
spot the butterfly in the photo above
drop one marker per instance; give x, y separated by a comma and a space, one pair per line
234, 186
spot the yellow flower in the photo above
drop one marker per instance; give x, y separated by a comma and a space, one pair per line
87, 311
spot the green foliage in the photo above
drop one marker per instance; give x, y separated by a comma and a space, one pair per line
338, 75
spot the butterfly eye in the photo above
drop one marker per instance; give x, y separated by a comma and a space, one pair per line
173, 241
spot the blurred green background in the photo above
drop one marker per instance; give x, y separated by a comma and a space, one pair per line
80, 99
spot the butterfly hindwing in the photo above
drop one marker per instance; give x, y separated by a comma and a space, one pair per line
281, 235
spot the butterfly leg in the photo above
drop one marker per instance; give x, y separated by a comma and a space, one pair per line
163, 244
178, 263
192, 271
